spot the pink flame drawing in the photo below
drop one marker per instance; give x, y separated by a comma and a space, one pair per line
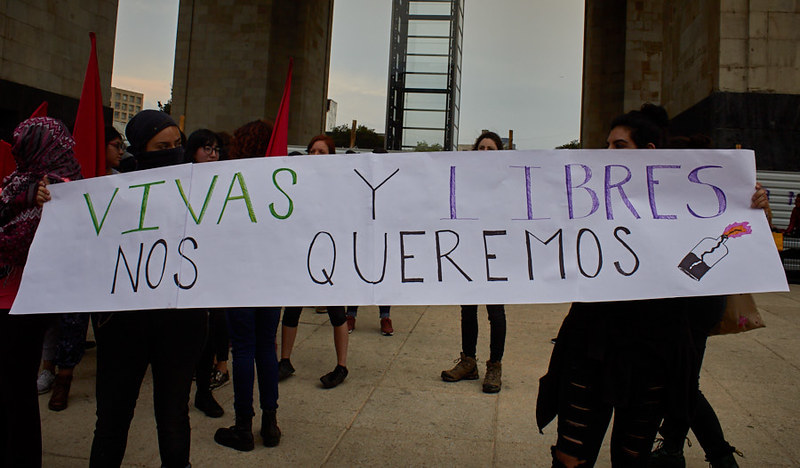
737, 230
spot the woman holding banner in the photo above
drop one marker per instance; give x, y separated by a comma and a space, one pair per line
43, 151
167, 341
320, 144
466, 367
203, 145
632, 357
635, 358
252, 333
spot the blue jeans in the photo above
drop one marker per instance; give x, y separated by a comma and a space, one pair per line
252, 332
383, 311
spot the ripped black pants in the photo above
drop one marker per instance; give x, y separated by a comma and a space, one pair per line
584, 415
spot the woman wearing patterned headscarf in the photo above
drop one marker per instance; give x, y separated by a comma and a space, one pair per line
43, 152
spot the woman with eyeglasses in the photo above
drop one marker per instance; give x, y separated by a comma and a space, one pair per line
115, 148
202, 146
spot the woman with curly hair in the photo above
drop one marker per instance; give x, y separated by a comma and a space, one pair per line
252, 333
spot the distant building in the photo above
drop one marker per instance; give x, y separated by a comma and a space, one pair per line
330, 115
125, 104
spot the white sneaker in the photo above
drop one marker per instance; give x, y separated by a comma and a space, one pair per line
45, 381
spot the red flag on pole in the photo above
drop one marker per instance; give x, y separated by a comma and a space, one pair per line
279, 141
89, 132
40, 111
7, 163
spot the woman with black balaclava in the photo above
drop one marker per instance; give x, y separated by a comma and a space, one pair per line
169, 341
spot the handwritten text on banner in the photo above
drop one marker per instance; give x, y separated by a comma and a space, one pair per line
421, 228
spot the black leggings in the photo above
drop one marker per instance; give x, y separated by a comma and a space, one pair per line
583, 416
497, 330
21, 339
706, 313
291, 316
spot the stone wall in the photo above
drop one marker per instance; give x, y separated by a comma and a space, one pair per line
726, 68
44, 50
691, 51
760, 46
45, 44
231, 63
644, 44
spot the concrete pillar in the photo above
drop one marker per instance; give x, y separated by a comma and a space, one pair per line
231, 61
603, 69
44, 50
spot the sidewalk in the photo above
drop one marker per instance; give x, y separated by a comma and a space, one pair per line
394, 410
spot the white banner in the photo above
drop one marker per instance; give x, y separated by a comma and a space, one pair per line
415, 228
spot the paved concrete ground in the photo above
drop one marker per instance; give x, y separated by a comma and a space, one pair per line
394, 410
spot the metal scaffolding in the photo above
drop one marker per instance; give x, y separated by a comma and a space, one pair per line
424, 74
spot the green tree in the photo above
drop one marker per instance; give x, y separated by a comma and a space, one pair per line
424, 147
165, 107
366, 138
574, 144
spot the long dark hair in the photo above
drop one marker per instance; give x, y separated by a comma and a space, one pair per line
490, 135
111, 134
648, 125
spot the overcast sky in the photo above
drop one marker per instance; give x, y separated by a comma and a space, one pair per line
521, 64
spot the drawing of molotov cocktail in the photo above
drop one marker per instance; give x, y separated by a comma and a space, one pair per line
710, 250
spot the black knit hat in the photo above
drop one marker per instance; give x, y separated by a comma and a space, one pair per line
144, 126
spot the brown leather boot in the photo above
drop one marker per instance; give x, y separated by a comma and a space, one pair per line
60, 396
491, 381
465, 369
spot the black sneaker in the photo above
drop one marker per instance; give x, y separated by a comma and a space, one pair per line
285, 369
208, 405
726, 461
334, 378
661, 457
219, 379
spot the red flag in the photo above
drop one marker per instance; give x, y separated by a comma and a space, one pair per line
7, 163
279, 141
89, 132
40, 111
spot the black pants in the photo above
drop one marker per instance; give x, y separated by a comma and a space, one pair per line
170, 341
705, 313
497, 330
21, 339
291, 316
583, 416
216, 345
